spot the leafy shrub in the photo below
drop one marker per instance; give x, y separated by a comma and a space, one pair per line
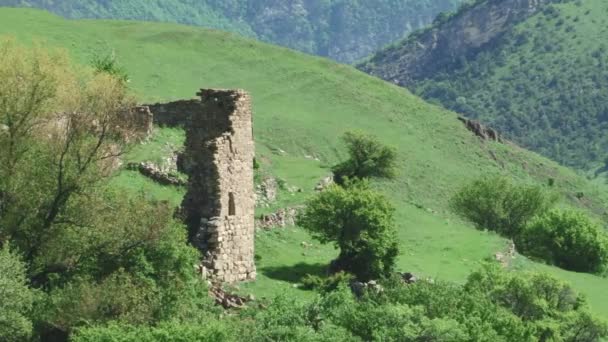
109, 65
16, 298
170, 332
567, 239
314, 282
499, 205
368, 157
495, 305
359, 221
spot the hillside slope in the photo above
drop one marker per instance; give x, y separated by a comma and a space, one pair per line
344, 30
534, 70
301, 106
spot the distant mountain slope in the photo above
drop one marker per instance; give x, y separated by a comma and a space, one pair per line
302, 104
534, 69
344, 30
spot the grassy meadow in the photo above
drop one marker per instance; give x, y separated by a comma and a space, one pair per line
302, 104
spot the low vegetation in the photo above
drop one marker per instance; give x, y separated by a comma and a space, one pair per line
16, 298
491, 306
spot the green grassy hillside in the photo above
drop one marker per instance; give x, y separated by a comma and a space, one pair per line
302, 105
543, 82
343, 30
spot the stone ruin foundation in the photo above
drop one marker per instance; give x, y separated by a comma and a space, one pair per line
219, 204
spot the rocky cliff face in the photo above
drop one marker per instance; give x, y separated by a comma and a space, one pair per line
449, 40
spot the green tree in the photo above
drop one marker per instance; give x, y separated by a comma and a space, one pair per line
16, 298
359, 221
567, 239
65, 129
368, 157
96, 255
497, 204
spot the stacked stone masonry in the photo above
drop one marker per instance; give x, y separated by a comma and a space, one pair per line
218, 158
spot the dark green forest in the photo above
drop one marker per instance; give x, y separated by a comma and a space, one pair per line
344, 30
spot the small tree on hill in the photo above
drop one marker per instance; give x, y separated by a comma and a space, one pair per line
358, 221
368, 157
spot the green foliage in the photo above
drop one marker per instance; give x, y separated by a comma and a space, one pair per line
96, 255
498, 204
287, 319
568, 239
493, 305
368, 157
16, 298
343, 30
359, 221
327, 284
108, 64
210, 330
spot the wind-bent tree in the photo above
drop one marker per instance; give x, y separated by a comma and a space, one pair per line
368, 158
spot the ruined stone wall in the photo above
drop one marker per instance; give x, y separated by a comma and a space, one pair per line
219, 205
176, 113
139, 122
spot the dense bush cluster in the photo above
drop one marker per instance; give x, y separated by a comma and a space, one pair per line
491, 306
16, 298
500, 205
523, 213
567, 239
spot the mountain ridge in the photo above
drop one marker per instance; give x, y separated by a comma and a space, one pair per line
343, 30
539, 81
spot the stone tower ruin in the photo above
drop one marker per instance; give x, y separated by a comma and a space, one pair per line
218, 158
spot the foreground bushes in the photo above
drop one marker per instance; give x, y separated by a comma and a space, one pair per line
566, 239
493, 305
